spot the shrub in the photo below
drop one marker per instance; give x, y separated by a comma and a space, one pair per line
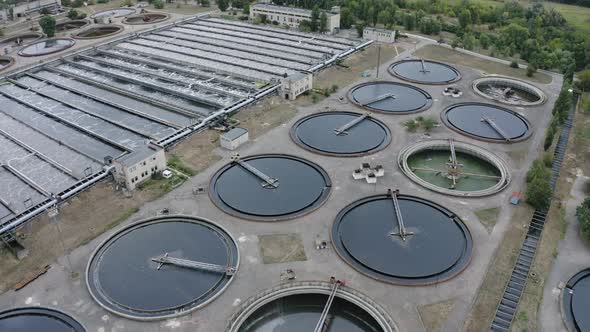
583, 214
411, 125
334, 88
73, 14
530, 70
158, 4
538, 193
548, 159
537, 170
428, 124
514, 64
44, 11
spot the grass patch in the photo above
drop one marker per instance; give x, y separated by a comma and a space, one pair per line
488, 217
128, 213
434, 315
161, 184
281, 248
439, 53
174, 161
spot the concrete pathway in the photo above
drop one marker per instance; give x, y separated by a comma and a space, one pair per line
573, 256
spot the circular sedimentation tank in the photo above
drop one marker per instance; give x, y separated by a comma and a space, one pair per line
162, 267
342, 134
427, 245
297, 306
269, 187
21, 39
146, 18
424, 71
575, 301
118, 12
46, 46
390, 97
100, 31
509, 91
474, 171
5, 62
38, 319
487, 122
71, 25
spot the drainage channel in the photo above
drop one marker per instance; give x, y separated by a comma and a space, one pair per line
508, 305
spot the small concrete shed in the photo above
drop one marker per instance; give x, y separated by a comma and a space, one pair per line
234, 138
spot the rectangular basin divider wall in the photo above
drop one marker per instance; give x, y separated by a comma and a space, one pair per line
220, 38
243, 55
50, 138
115, 123
148, 85
106, 102
234, 46
178, 65
71, 124
326, 38
38, 154
163, 77
77, 77
307, 41
212, 57
245, 36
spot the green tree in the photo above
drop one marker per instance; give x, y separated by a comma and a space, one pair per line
246, 8
583, 214
583, 82
484, 41
346, 18
468, 41
538, 193
464, 18
158, 4
223, 5
73, 14
47, 24
409, 22
537, 170
360, 27
323, 22
315, 16
44, 11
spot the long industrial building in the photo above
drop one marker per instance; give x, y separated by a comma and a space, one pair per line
65, 124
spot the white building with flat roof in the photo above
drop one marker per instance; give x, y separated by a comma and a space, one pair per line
296, 84
379, 35
22, 9
292, 16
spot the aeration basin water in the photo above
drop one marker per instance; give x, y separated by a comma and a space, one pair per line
575, 302
424, 72
427, 245
99, 32
390, 97
46, 46
38, 319
162, 267
119, 12
487, 122
297, 306
509, 91
474, 172
269, 187
344, 134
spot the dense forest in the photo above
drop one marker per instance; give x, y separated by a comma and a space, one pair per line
536, 34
